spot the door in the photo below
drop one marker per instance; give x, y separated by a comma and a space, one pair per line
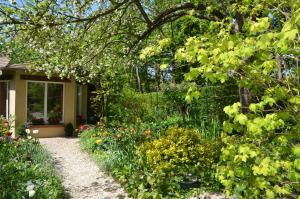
4, 99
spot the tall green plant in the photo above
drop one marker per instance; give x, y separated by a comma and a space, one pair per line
257, 46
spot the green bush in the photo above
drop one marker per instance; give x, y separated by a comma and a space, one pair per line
4, 127
69, 129
175, 157
21, 131
131, 155
26, 171
131, 108
261, 153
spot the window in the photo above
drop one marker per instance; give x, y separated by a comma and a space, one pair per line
45, 102
4, 111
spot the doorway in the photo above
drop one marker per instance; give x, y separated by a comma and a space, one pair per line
4, 101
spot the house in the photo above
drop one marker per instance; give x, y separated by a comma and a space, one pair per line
46, 104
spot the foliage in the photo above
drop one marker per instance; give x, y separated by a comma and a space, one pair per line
116, 149
4, 127
21, 130
260, 54
167, 160
257, 46
131, 107
26, 171
123, 138
260, 149
76, 33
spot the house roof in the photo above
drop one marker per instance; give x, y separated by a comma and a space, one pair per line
5, 64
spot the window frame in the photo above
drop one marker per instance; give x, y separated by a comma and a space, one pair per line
46, 99
7, 98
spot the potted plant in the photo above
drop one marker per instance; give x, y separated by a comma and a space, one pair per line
37, 121
54, 117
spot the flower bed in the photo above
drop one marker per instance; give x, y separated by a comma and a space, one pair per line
163, 164
26, 171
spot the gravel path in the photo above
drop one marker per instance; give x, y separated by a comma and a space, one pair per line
82, 178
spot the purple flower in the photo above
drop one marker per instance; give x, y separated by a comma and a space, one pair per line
26, 125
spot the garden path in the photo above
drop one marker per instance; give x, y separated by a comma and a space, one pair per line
82, 178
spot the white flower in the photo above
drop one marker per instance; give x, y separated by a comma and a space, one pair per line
27, 131
30, 186
31, 193
35, 131
29, 137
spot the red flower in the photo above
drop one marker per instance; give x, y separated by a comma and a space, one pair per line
118, 136
84, 127
8, 134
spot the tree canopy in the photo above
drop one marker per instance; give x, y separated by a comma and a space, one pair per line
84, 38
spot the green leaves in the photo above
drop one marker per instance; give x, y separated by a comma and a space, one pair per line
267, 167
295, 100
241, 118
296, 151
232, 110
261, 25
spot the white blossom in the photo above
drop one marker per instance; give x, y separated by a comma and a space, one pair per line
35, 131
27, 131
31, 193
30, 186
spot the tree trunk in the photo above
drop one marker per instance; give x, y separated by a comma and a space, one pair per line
279, 73
138, 79
245, 99
245, 95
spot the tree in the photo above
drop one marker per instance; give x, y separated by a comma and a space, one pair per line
257, 46
78, 38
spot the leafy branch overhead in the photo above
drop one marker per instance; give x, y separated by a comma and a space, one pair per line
66, 36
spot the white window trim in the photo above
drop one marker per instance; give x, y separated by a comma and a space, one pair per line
7, 98
46, 99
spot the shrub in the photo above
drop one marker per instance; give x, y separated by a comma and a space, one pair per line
261, 155
132, 156
21, 130
169, 160
26, 171
4, 126
69, 129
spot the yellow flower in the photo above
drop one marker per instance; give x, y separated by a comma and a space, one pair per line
132, 130
105, 133
147, 133
99, 141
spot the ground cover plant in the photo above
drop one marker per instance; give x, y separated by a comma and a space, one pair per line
252, 44
144, 159
26, 169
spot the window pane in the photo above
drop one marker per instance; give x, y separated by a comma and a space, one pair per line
55, 103
3, 98
35, 102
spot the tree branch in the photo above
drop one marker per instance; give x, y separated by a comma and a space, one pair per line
144, 14
77, 20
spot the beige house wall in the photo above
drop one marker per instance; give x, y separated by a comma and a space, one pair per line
18, 106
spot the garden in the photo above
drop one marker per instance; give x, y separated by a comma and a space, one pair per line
189, 96
26, 167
